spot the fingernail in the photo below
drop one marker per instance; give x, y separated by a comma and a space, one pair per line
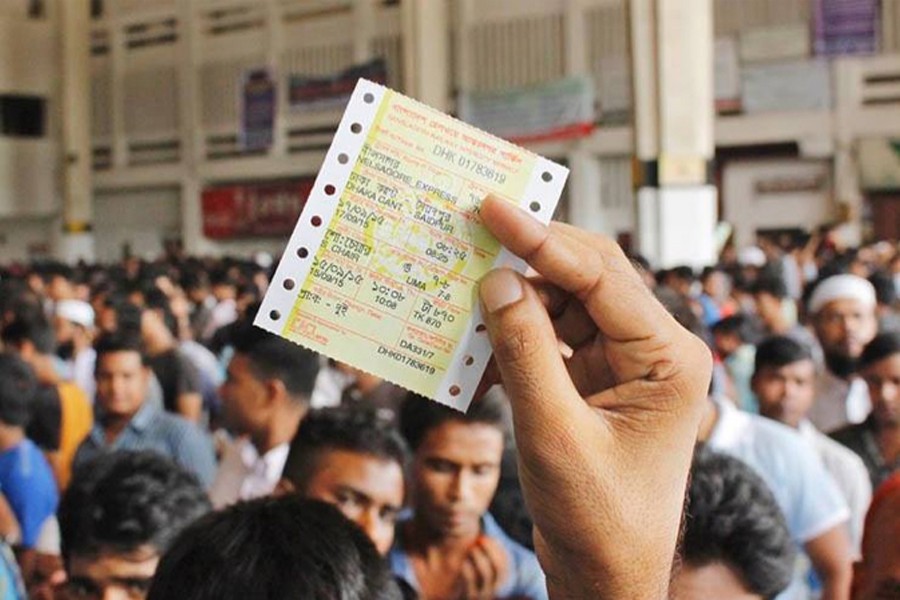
499, 289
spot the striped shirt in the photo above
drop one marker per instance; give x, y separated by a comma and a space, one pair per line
153, 429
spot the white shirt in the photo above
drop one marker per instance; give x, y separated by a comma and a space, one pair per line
850, 475
808, 497
839, 403
244, 474
83, 372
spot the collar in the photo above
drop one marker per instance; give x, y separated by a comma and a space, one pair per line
271, 461
142, 418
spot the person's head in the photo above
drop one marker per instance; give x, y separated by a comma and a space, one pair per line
267, 376
736, 544
843, 313
879, 366
877, 575
17, 388
716, 283
730, 333
122, 374
456, 461
120, 514
769, 293
30, 336
73, 324
784, 380
289, 548
680, 279
885, 291
224, 285
354, 459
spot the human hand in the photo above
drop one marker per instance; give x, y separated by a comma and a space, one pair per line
484, 570
605, 436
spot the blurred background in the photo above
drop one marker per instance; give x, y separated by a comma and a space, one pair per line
693, 128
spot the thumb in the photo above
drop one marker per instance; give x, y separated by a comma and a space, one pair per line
527, 353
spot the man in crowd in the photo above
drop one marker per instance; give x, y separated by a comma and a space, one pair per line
354, 459
877, 439
61, 414
777, 312
127, 421
784, 382
735, 543
288, 548
177, 375
731, 341
265, 396
26, 479
73, 324
877, 575
842, 309
119, 516
816, 512
451, 545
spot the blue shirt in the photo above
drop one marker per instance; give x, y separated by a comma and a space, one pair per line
151, 428
525, 578
28, 484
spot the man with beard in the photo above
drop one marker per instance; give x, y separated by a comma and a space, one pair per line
877, 439
73, 324
842, 309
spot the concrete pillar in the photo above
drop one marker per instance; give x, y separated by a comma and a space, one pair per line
672, 42
77, 241
426, 36
191, 133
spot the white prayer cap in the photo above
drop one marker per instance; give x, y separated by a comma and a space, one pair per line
842, 287
77, 311
752, 256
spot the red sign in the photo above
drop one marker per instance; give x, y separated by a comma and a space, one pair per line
267, 209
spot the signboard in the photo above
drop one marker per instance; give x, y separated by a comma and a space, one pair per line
310, 94
267, 209
561, 109
257, 110
845, 27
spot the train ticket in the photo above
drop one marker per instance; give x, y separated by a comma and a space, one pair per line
382, 268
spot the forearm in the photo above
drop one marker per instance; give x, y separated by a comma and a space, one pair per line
836, 584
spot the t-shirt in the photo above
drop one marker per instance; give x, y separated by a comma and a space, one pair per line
177, 375
525, 578
808, 497
30, 488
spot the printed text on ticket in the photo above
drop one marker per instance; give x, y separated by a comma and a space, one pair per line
381, 271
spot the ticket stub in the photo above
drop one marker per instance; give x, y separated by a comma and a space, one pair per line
381, 271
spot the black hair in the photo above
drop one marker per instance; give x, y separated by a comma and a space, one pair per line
128, 317
288, 548
882, 346
418, 416
733, 518
738, 325
123, 500
358, 430
156, 299
885, 290
18, 387
683, 272
272, 357
120, 341
779, 351
32, 328
770, 284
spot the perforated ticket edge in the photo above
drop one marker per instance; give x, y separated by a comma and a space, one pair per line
473, 351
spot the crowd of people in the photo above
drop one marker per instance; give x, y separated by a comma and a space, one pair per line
154, 444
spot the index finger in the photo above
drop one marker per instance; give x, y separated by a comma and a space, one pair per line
592, 268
